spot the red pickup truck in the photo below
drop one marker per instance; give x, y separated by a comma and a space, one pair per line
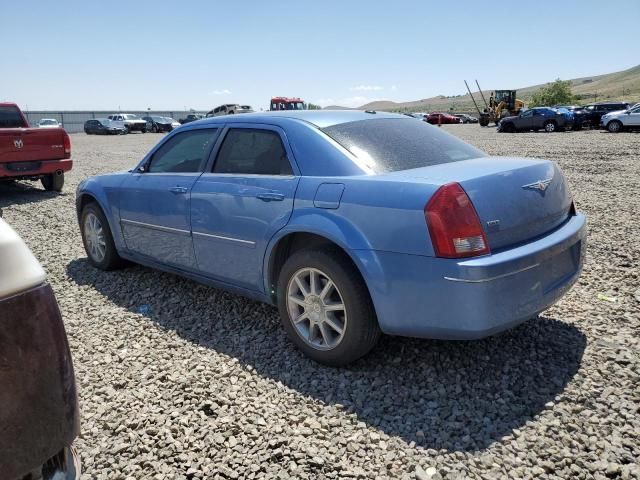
32, 153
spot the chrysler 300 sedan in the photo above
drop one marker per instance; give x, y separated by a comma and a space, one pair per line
352, 223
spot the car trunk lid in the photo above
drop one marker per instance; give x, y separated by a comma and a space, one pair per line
517, 199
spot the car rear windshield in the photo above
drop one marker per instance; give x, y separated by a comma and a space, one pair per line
10, 117
392, 144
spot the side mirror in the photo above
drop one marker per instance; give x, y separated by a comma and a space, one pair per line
142, 168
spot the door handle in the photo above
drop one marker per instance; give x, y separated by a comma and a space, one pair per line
270, 197
178, 189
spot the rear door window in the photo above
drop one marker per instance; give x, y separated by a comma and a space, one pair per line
10, 117
392, 144
249, 151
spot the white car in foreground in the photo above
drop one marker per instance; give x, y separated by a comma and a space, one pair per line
49, 123
622, 120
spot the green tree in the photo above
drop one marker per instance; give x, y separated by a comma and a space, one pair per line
556, 93
313, 106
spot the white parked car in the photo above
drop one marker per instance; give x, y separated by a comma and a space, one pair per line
622, 120
132, 123
49, 123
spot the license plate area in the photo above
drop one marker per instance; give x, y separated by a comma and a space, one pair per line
23, 166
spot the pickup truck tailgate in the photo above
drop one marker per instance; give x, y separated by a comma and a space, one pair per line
31, 144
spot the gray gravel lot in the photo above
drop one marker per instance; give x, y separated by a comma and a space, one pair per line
205, 384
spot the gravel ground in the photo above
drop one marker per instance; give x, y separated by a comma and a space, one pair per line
204, 384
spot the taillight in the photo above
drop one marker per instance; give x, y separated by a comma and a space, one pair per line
453, 224
67, 145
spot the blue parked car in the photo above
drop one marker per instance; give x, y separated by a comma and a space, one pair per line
352, 223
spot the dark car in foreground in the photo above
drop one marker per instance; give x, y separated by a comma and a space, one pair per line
594, 112
161, 124
104, 126
353, 223
38, 403
538, 118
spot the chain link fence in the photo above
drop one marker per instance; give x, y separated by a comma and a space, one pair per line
73, 121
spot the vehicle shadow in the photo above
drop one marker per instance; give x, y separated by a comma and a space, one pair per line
19, 193
457, 396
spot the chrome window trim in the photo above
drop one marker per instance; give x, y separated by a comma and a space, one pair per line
154, 227
222, 237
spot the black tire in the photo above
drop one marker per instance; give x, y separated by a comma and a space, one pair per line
53, 182
144, 130
550, 126
361, 330
127, 128
614, 126
154, 129
111, 260
508, 128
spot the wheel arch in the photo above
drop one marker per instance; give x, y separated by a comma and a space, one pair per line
293, 240
86, 197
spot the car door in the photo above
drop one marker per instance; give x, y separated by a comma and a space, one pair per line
241, 202
525, 120
633, 118
155, 198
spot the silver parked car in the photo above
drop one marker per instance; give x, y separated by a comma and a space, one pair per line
628, 119
229, 109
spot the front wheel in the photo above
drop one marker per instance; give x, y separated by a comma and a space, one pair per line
614, 126
53, 182
325, 307
97, 239
550, 127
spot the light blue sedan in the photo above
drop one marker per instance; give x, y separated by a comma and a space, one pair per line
353, 223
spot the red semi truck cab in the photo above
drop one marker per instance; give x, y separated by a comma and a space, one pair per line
285, 103
32, 153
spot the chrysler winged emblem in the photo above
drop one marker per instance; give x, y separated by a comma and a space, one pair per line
18, 143
540, 185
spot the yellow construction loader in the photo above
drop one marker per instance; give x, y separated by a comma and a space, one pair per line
502, 103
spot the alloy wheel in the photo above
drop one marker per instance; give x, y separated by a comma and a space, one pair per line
316, 309
95, 237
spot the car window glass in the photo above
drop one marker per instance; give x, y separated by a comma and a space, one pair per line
252, 151
527, 114
10, 118
184, 152
392, 144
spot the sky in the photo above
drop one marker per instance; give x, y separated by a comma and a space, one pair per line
124, 55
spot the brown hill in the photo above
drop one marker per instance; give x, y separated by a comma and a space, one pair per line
624, 85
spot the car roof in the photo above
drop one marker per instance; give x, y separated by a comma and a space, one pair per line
319, 118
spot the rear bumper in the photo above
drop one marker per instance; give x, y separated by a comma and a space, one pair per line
34, 168
440, 298
38, 404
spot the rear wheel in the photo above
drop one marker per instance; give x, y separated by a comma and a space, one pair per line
614, 126
127, 128
325, 307
97, 239
550, 126
53, 182
154, 129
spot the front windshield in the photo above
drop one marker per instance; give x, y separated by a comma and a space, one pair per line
48, 122
131, 117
